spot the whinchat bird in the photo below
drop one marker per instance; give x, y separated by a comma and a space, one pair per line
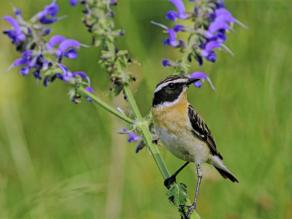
183, 132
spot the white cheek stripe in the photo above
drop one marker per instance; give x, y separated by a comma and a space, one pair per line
181, 80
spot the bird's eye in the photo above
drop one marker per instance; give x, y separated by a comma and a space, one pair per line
171, 85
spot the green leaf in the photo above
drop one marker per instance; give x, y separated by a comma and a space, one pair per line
177, 194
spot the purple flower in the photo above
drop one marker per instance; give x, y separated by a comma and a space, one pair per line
132, 136
54, 41
179, 28
48, 14
68, 48
171, 40
46, 32
66, 74
25, 58
17, 12
166, 63
208, 50
81, 74
89, 89
203, 77
16, 35
171, 15
181, 13
34, 57
24, 70
73, 2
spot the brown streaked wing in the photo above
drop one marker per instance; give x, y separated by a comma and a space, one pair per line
201, 130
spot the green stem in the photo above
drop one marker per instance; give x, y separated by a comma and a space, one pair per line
147, 135
105, 106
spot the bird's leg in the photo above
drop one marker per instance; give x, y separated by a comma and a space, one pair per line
199, 175
172, 178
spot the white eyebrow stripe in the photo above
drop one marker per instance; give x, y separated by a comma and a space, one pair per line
180, 80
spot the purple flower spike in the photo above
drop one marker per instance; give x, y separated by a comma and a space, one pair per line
73, 2
180, 7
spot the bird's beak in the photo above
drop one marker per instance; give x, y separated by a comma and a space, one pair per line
191, 81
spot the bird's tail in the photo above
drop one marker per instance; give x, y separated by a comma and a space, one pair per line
222, 169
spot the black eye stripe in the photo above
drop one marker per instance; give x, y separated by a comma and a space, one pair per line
168, 93
171, 85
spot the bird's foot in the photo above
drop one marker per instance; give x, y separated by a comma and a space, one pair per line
155, 141
169, 181
192, 208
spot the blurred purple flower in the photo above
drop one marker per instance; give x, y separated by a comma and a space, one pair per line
68, 48
180, 7
171, 15
132, 136
166, 63
203, 77
49, 13
89, 89
16, 35
54, 41
171, 40
73, 2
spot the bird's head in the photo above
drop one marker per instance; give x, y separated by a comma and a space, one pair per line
169, 91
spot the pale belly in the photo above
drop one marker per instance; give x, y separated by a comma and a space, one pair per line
186, 147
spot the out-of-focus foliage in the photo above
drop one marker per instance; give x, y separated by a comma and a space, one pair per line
59, 160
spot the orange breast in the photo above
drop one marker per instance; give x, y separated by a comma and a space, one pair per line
174, 117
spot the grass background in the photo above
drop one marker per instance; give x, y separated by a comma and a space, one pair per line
59, 160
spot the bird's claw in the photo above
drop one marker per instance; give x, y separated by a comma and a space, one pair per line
169, 181
191, 209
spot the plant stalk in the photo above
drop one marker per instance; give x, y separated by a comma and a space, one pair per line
105, 106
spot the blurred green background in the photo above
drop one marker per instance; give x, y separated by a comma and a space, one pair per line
60, 160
